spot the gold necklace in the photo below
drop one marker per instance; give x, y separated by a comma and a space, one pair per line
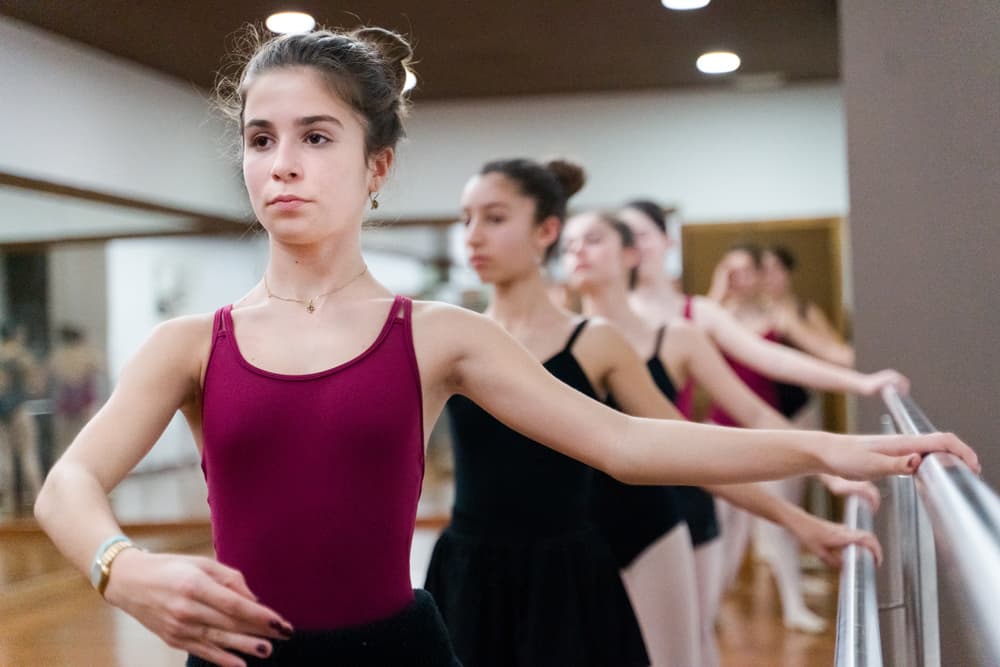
310, 303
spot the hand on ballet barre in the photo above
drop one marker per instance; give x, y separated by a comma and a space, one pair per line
839, 486
874, 383
195, 604
827, 540
882, 455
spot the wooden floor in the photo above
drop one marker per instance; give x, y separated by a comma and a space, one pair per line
49, 615
750, 630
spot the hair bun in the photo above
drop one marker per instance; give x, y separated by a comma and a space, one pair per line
570, 175
394, 49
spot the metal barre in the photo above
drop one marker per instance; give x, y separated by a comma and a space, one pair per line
965, 515
858, 635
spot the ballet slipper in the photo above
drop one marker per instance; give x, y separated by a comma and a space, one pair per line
806, 621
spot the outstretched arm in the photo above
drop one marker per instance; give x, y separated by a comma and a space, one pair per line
823, 538
633, 388
807, 338
487, 365
779, 362
702, 362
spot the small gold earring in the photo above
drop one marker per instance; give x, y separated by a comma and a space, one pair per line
373, 200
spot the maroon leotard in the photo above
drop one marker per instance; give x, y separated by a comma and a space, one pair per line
313, 480
760, 384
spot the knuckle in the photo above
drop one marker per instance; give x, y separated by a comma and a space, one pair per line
231, 607
189, 586
180, 611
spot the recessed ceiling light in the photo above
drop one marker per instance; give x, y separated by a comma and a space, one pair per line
287, 22
684, 4
718, 62
411, 81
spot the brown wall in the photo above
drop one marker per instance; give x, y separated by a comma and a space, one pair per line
922, 97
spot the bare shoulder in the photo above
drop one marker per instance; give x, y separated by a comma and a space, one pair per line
704, 309
436, 318
601, 346
182, 342
682, 330
457, 328
446, 338
184, 331
599, 332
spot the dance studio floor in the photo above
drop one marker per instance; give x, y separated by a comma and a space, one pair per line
49, 616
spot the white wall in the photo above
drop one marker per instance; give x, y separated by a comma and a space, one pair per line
75, 115
100, 122
192, 275
77, 289
720, 155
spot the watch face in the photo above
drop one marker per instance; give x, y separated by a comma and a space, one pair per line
95, 574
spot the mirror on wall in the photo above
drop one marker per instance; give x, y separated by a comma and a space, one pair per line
84, 280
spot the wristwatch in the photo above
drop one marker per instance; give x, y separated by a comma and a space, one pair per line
100, 571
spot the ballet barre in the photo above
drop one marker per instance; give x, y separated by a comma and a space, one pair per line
943, 512
964, 514
858, 636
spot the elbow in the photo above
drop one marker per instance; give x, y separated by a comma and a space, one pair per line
43, 503
623, 462
625, 470
46, 504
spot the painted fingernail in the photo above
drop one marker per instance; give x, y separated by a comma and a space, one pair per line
283, 628
262, 649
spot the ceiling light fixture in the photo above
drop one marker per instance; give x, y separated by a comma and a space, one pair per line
684, 4
289, 22
718, 62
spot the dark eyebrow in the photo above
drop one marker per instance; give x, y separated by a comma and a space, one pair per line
312, 120
304, 121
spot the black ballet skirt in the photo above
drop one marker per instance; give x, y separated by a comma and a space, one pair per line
414, 637
521, 576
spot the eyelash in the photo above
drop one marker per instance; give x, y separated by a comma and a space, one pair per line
255, 142
492, 219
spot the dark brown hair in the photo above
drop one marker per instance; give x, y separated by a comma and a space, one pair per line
785, 256
627, 238
366, 68
750, 248
549, 185
653, 211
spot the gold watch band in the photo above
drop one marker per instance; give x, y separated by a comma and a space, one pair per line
107, 558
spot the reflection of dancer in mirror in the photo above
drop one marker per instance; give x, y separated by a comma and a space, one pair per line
311, 397
20, 380
738, 282
755, 285
75, 369
600, 259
